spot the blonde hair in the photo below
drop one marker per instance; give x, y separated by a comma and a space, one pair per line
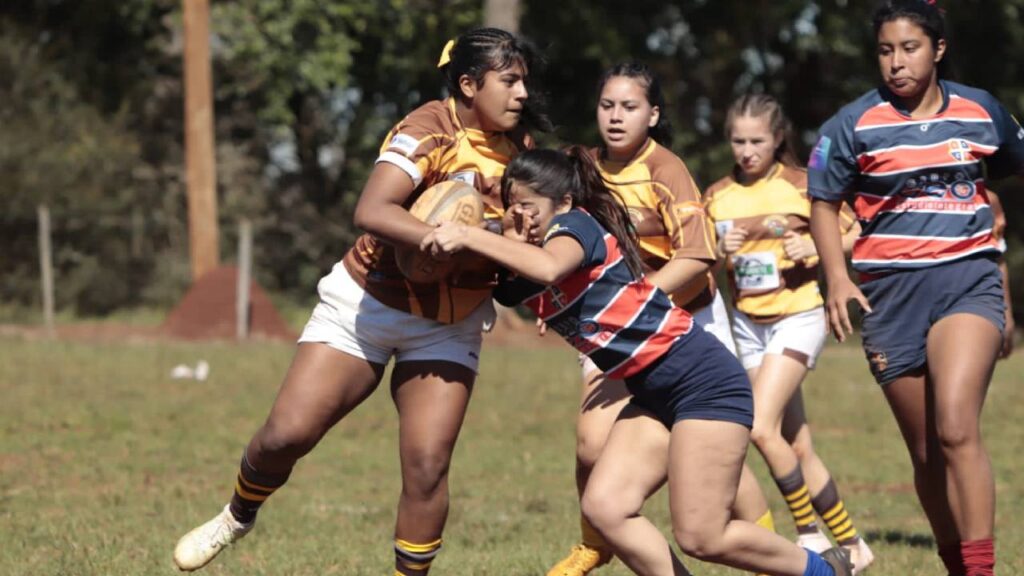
761, 106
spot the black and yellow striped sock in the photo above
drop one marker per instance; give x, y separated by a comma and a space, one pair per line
798, 498
830, 507
414, 559
252, 488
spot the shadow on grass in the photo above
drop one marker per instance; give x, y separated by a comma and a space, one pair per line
900, 537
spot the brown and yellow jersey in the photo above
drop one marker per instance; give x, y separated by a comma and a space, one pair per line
766, 284
665, 206
431, 146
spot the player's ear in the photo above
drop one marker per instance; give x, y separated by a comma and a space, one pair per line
467, 86
655, 116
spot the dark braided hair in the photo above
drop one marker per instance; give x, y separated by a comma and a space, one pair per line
924, 13
554, 174
642, 74
484, 49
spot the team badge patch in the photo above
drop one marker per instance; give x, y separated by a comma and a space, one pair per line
878, 362
775, 224
819, 156
960, 150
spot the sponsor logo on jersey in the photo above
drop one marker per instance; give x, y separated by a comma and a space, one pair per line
405, 143
587, 327
466, 177
551, 231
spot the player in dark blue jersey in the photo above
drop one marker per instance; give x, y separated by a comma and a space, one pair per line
910, 155
583, 278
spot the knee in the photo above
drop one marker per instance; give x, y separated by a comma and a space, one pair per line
762, 435
588, 449
803, 447
602, 510
286, 438
955, 434
424, 472
699, 542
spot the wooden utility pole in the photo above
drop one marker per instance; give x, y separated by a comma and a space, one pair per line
200, 168
502, 14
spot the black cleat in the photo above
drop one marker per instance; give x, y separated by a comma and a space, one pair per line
839, 560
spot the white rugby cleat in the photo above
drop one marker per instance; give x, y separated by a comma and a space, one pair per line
197, 548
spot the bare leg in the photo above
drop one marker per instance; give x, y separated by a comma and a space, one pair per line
911, 401
630, 469
960, 381
431, 398
704, 468
322, 386
798, 434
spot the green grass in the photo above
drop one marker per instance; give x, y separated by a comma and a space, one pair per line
105, 461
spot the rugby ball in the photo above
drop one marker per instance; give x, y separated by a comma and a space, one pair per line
448, 201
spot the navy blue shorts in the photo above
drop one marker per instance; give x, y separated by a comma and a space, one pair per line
907, 303
697, 379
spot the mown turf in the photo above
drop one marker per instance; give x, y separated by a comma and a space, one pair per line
105, 461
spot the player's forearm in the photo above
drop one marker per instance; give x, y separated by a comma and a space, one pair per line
680, 273
827, 238
529, 261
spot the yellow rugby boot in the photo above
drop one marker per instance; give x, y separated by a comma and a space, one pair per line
582, 559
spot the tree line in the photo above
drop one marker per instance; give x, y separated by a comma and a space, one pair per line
91, 112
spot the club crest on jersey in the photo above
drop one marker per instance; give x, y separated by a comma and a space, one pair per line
963, 189
960, 150
775, 224
819, 156
587, 327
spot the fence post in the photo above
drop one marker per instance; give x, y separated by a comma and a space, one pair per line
46, 267
244, 278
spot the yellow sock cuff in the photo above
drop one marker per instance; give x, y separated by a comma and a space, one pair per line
591, 537
766, 521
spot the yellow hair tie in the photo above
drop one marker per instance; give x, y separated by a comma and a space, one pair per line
446, 54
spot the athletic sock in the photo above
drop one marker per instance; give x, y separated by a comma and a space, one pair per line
798, 497
830, 507
252, 488
591, 537
413, 559
952, 559
979, 557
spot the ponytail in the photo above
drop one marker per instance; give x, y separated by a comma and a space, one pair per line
606, 206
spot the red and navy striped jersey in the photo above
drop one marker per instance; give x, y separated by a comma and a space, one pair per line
622, 323
918, 184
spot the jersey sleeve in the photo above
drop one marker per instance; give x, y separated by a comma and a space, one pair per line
832, 167
416, 145
1009, 158
683, 214
581, 227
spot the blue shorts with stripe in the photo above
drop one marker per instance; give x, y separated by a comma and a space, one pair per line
697, 379
907, 303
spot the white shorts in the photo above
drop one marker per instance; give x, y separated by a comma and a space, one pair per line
714, 318
350, 320
800, 336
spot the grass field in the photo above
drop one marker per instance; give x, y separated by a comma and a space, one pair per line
105, 461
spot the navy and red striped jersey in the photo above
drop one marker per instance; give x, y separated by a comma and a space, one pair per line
918, 184
622, 323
